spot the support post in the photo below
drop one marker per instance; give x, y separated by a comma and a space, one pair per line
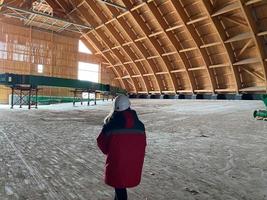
88, 100
74, 96
36, 97
95, 98
20, 99
30, 94
12, 98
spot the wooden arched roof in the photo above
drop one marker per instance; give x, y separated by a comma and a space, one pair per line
177, 46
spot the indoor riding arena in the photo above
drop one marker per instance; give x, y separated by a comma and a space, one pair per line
193, 72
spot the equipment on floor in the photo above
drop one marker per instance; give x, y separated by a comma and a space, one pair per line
261, 114
27, 86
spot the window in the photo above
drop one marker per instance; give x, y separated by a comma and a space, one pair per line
88, 72
40, 68
83, 48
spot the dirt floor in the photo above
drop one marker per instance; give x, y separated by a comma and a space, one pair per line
197, 150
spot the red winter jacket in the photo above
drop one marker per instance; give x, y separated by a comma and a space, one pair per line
123, 140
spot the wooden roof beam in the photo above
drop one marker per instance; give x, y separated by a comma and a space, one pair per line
140, 60
140, 39
253, 73
174, 28
197, 68
236, 21
226, 9
249, 42
155, 34
203, 91
128, 62
178, 71
172, 41
98, 49
193, 35
106, 58
160, 73
113, 32
153, 57
220, 65
227, 47
251, 2
141, 23
239, 37
253, 89
210, 45
197, 20
248, 61
225, 90
107, 43
150, 74
138, 46
188, 49
136, 76
263, 33
113, 4
169, 53
259, 44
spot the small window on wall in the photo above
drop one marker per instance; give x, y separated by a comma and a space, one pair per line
88, 72
83, 48
40, 68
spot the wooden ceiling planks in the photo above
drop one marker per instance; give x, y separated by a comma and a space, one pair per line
177, 46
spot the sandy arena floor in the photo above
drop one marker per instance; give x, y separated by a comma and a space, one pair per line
199, 150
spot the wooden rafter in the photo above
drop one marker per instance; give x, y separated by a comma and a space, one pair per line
236, 21
253, 73
97, 47
107, 43
52, 4
249, 42
259, 45
198, 43
111, 65
114, 33
226, 9
227, 47
251, 2
239, 37
172, 40
192, 34
154, 43
138, 46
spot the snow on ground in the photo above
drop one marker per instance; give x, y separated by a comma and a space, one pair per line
197, 149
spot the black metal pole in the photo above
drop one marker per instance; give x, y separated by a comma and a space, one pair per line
74, 96
30, 94
12, 98
20, 98
36, 97
81, 98
88, 100
95, 98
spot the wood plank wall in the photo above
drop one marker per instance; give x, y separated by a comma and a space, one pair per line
22, 49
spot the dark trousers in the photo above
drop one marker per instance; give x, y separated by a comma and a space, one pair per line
120, 194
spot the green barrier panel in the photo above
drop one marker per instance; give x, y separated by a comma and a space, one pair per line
55, 99
46, 100
18, 79
264, 98
260, 113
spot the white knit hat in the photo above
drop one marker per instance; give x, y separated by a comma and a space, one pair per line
121, 103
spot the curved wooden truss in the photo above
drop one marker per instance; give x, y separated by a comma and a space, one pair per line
177, 46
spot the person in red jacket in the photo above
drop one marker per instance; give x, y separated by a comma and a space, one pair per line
123, 141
